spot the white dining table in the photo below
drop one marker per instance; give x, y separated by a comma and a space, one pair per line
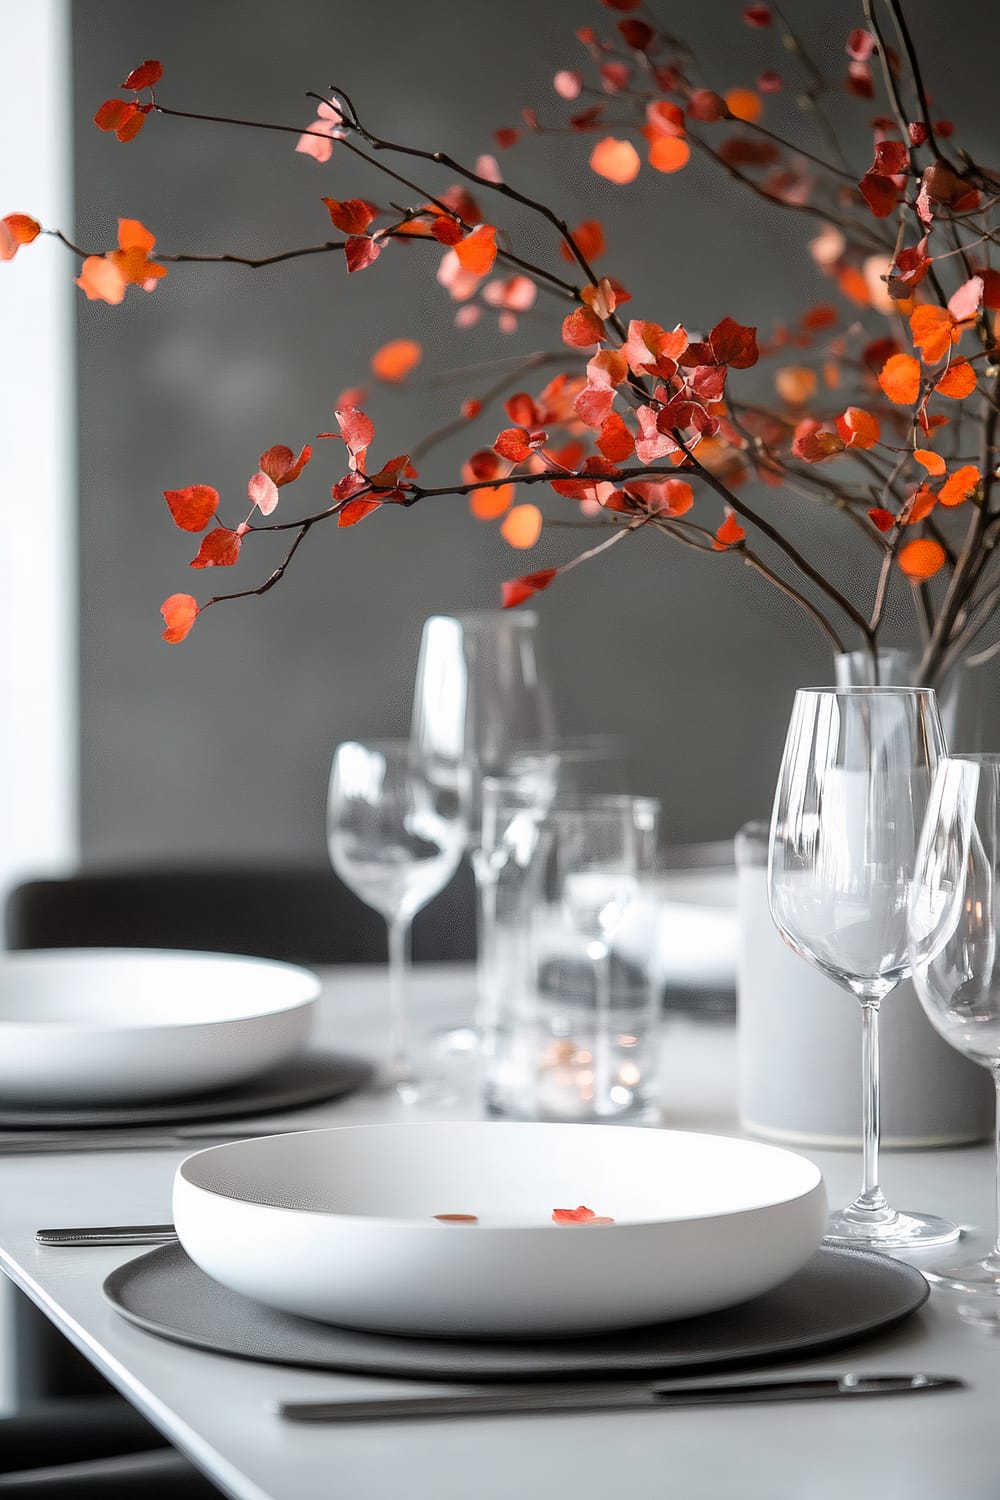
220, 1411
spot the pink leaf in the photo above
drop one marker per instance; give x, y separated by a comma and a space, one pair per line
966, 302
263, 492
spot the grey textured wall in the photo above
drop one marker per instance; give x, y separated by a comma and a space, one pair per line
221, 746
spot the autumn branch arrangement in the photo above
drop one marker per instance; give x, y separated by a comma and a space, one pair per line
878, 400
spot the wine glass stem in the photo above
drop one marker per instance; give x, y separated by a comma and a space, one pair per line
871, 1198
994, 1254
399, 964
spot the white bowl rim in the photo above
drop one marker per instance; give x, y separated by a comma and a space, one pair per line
432, 1227
14, 958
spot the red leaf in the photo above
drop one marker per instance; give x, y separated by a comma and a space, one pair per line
582, 328
880, 193
179, 613
194, 507
891, 157
360, 251
522, 410
348, 486
113, 112
637, 34
734, 344
144, 76
357, 431
219, 549
652, 350
516, 590
390, 474
278, 464
813, 444
572, 1215
356, 510
350, 215
757, 15
881, 519
446, 230
706, 104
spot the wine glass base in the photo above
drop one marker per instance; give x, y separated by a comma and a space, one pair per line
888, 1229
416, 1091
975, 1278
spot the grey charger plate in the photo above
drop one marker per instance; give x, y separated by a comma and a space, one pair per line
839, 1296
306, 1079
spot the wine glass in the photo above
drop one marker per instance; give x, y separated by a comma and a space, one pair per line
603, 847
852, 791
395, 838
481, 707
954, 928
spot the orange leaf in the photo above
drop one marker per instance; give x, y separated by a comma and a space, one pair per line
795, 384
16, 230
900, 379
932, 462
395, 360
616, 160
958, 381
728, 534
194, 507
616, 441
668, 153
920, 505
812, 443
744, 104
516, 590
219, 549
934, 331
582, 328
960, 485
858, 428
921, 559
522, 526
101, 280
489, 503
179, 613
478, 251
589, 237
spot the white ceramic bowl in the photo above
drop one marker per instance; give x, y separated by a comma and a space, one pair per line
101, 1026
340, 1226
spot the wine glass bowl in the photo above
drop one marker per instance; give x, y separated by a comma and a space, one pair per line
395, 837
854, 784
954, 931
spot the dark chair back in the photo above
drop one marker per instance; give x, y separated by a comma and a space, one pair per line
303, 915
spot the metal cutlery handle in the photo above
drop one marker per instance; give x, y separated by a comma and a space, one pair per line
112, 1234
622, 1397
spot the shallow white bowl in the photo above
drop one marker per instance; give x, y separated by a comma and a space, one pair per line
102, 1025
339, 1225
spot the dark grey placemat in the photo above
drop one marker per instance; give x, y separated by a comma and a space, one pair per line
307, 1079
840, 1296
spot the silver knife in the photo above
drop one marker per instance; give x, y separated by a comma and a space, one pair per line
111, 1234
620, 1397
